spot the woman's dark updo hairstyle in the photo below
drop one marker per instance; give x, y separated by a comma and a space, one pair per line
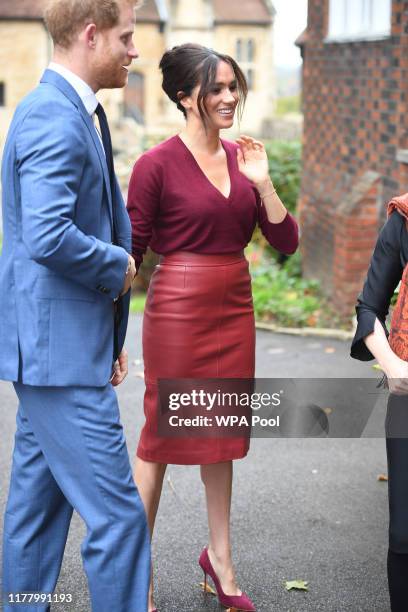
186, 66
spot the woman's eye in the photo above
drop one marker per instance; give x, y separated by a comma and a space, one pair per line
216, 90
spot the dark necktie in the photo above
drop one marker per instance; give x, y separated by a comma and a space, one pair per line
107, 145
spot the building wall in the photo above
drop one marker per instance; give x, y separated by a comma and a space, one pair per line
26, 50
150, 43
355, 108
24, 54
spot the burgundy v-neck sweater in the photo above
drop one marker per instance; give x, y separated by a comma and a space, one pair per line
174, 207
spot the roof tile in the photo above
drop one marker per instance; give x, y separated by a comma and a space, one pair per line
33, 9
249, 11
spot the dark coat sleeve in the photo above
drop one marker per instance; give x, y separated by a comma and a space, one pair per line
383, 276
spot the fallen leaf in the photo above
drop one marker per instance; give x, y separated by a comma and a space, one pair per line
382, 478
206, 588
171, 485
296, 584
312, 320
327, 410
329, 349
276, 351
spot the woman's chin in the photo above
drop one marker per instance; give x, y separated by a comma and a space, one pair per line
224, 124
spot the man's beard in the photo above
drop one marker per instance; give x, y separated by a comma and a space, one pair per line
111, 76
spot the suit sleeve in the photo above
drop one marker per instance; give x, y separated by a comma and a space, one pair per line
123, 228
283, 236
143, 204
50, 153
383, 276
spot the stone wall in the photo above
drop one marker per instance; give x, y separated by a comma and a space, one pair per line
24, 54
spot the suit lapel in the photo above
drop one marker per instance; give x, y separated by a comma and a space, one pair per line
101, 153
52, 77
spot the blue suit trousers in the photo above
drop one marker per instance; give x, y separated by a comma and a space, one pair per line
70, 453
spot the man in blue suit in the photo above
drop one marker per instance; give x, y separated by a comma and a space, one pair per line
65, 262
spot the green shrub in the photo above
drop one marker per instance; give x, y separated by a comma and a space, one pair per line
280, 294
285, 169
288, 104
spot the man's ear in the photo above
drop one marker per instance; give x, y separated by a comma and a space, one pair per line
89, 34
184, 100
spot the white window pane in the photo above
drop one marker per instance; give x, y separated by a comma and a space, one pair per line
381, 16
354, 17
366, 22
250, 50
238, 50
337, 13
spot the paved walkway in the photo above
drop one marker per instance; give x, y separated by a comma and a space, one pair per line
302, 509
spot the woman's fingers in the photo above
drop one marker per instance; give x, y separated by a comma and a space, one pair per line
249, 143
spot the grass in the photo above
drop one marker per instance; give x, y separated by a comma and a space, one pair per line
137, 303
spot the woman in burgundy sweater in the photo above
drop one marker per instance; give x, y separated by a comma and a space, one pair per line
196, 199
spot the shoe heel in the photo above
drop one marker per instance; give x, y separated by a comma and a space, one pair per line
205, 583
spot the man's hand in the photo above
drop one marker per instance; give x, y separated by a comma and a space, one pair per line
120, 369
130, 275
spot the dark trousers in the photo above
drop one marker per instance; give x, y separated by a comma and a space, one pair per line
396, 425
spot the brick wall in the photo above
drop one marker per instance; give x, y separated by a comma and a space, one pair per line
355, 122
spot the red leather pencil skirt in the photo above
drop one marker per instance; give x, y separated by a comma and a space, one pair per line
198, 323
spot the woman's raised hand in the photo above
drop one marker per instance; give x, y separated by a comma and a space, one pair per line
252, 159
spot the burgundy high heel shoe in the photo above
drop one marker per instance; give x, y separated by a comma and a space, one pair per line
240, 602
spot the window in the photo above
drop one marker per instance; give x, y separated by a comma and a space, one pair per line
359, 19
245, 50
2, 95
238, 52
245, 56
250, 50
134, 97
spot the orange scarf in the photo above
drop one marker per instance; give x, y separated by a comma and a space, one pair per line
398, 338
399, 203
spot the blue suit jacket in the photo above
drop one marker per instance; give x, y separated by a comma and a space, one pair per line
59, 272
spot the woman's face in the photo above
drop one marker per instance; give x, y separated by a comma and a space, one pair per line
222, 100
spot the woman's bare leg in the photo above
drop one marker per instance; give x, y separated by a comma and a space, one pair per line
148, 478
217, 479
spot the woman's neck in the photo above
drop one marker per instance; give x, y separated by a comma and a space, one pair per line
199, 140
